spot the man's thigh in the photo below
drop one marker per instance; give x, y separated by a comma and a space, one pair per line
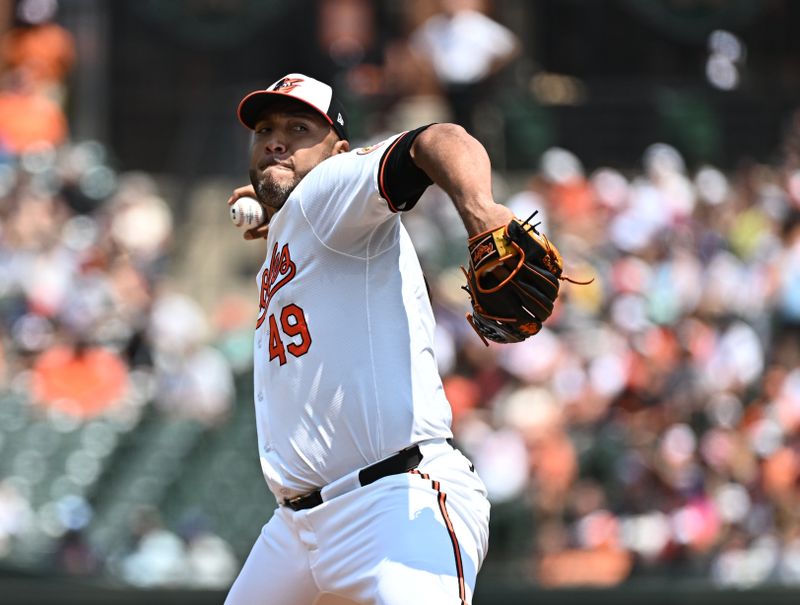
277, 569
404, 539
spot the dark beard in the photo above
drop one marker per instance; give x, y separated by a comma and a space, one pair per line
271, 193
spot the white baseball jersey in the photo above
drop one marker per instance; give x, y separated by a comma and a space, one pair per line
345, 373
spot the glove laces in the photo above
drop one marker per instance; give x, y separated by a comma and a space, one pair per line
548, 260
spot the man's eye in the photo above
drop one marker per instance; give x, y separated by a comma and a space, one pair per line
300, 128
262, 130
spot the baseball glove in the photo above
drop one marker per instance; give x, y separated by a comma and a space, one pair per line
513, 280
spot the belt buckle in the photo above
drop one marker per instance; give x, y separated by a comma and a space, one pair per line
304, 501
292, 502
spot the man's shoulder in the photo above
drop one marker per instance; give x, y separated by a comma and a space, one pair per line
357, 159
367, 149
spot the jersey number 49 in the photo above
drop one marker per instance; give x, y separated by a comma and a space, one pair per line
292, 324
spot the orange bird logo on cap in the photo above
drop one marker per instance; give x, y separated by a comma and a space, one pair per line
287, 85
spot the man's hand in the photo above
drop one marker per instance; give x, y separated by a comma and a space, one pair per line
261, 231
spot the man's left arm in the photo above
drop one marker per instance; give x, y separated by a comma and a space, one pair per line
514, 271
460, 165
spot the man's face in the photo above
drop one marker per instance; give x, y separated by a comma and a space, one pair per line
289, 140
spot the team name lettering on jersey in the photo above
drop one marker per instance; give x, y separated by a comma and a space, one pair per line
287, 329
281, 271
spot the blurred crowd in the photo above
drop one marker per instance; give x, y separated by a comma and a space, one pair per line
84, 292
88, 313
89, 319
650, 429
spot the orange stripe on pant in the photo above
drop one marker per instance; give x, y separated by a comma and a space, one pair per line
442, 498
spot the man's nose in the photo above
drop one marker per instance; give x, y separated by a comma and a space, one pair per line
274, 144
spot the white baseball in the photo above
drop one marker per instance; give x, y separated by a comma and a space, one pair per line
247, 213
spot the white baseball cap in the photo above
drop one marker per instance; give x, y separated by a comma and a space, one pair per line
317, 95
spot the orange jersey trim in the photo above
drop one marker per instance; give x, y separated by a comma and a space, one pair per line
442, 499
381, 185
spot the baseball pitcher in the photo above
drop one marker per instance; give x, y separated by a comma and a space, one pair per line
376, 506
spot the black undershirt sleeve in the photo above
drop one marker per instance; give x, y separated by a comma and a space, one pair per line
400, 181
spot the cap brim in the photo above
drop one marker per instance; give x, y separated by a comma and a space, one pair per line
254, 103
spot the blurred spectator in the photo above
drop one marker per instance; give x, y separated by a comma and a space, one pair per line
466, 48
80, 380
210, 561
28, 118
74, 555
140, 220
411, 83
346, 30
16, 516
37, 56
232, 320
194, 380
404, 86
158, 557
40, 47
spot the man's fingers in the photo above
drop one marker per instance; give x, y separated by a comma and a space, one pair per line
240, 192
259, 232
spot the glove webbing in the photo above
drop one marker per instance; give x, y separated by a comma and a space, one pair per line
500, 243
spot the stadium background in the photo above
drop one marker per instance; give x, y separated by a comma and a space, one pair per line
645, 445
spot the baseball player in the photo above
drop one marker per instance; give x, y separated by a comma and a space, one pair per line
376, 506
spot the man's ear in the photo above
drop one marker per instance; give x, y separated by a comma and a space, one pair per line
341, 146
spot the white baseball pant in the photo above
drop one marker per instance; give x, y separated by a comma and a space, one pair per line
415, 538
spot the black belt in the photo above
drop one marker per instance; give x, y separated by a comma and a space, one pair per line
403, 461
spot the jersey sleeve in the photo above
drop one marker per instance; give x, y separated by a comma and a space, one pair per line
400, 181
352, 201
